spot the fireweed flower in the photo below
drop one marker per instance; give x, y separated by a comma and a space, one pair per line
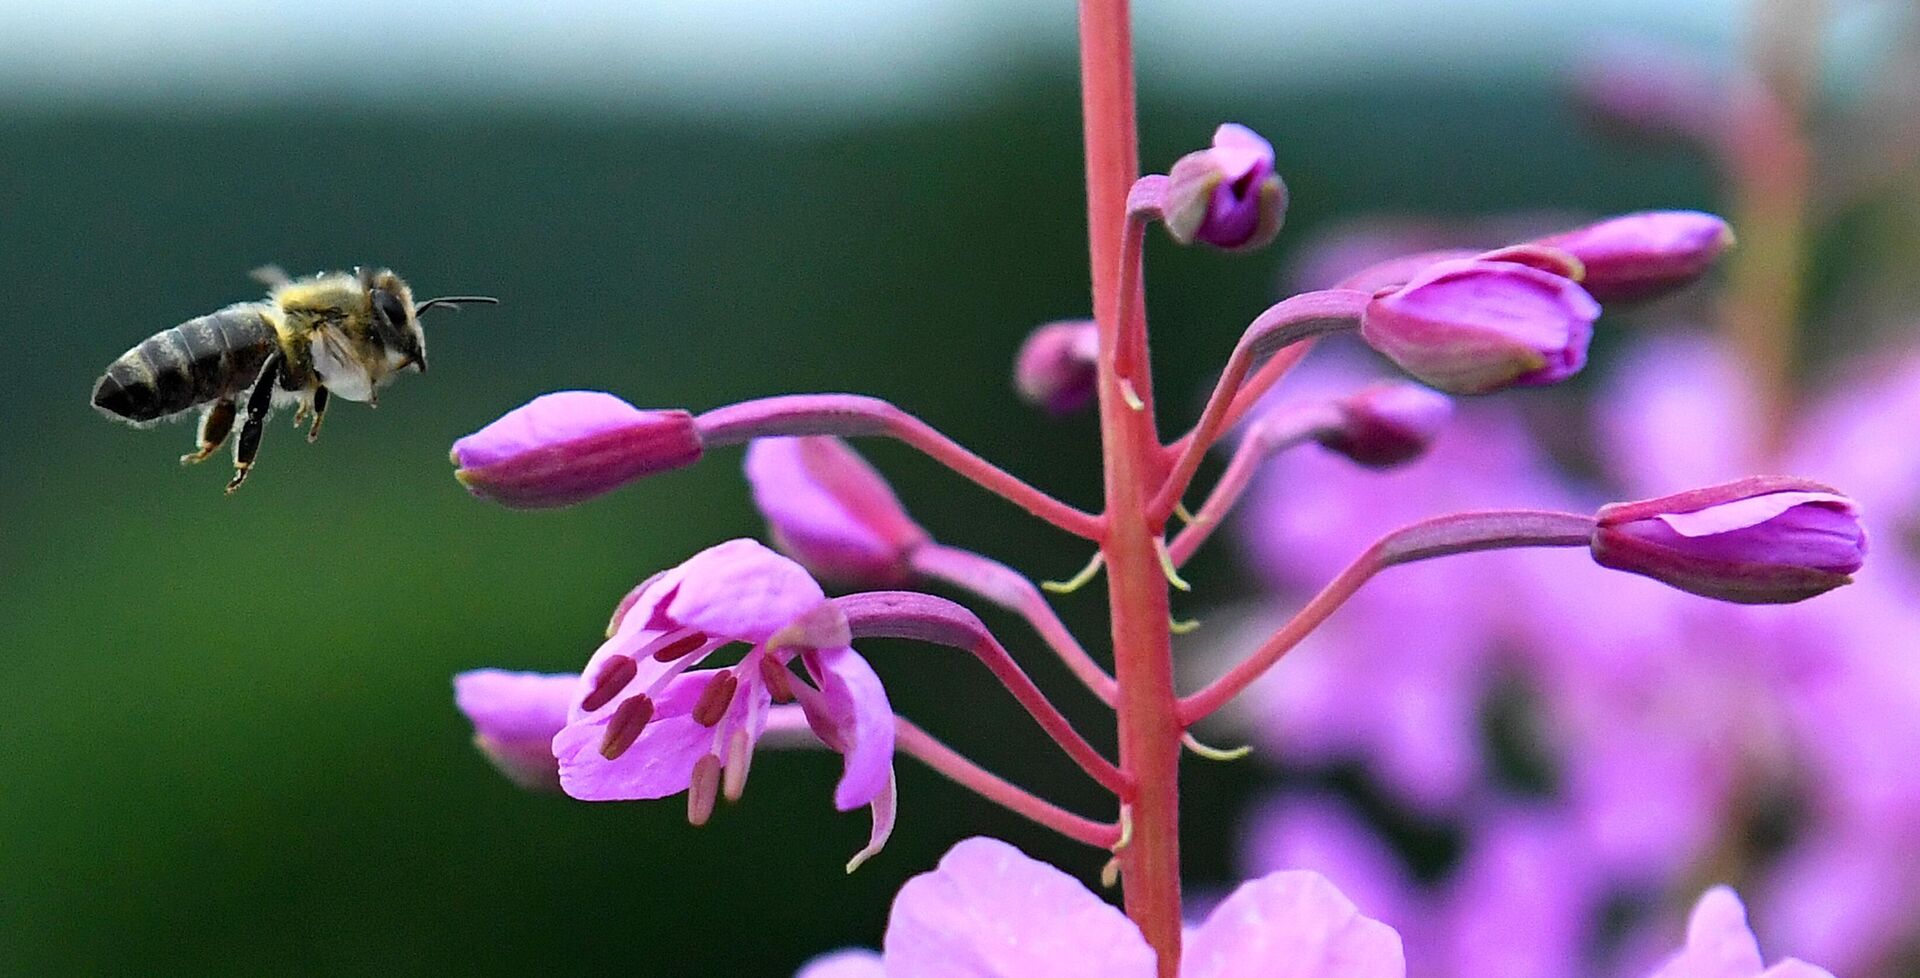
515, 715
1473, 326
1055, 367
644, 723
829, 509
1226, 195
1644, 254
570, 446
1758, 541
989, 911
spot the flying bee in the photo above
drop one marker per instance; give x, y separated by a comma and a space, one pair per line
344, 333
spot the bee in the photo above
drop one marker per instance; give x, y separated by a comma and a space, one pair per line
344, 333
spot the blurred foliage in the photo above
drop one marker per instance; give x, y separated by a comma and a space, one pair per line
230, 747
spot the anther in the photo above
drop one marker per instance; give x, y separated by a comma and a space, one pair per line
739, 758
680, 648
1077, 581
713, 701
702, 789
623, 728
614, 677
779, 681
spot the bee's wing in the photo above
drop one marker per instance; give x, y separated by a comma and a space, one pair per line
345, 374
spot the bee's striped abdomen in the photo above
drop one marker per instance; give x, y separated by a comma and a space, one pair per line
201, 360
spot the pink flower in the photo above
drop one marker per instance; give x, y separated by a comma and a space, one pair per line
1719, 945
1637, 255
1055, 367
989, 911
1387, 423
1226, 195
567, 447
831, 511
1755, 541
1472, 326
515, 715
644, 724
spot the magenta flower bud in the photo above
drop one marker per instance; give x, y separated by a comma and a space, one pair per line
1226, 195
1386, 424
1644, 254
1056, 366
515, 715
829, 510
1470, 326
570, 446
1763, 540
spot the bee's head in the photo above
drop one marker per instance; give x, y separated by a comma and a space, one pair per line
397, 318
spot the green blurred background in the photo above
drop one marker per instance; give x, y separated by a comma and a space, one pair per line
229, 746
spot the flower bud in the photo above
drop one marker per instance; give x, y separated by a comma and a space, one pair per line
1644, 254
515, 715
1226, 195
1764, 540
1056, 367
1469, 326
562, 448
1387, 424
831, 511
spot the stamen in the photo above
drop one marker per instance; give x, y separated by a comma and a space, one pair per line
1215, 753
739, 758
1182, 626
713, 701
614, 677
779, 681
702, 790
1166, 565
1077, 581
680, 648
623, 728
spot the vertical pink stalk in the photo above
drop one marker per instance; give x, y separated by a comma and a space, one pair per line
1134, 469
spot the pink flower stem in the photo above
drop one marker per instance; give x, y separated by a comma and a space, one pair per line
1004, 586
1133, 467
1250, 393
1286, 323
1437, 537
911, 740
1260, 442
853, 415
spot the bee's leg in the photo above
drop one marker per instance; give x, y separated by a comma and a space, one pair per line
258, 403
216, 422
319, 413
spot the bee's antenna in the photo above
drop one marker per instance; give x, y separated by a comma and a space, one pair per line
454, 302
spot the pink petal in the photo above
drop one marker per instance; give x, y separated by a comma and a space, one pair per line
1291, 924
1719, 945
851, 963
660, 761
1753, 511
514, 706
741, 590
1237, 150
830, 509
886, 807
862, 721
989, 911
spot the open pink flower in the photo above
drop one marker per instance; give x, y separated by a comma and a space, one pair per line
989, 911
644, 724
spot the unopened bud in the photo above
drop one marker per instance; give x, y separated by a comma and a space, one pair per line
567, 447
1056, 368
1638, 255
1226, 195
829, 510
1472, 326
1387, 424
1764, 540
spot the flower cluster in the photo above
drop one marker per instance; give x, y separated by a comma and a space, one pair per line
706, 660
